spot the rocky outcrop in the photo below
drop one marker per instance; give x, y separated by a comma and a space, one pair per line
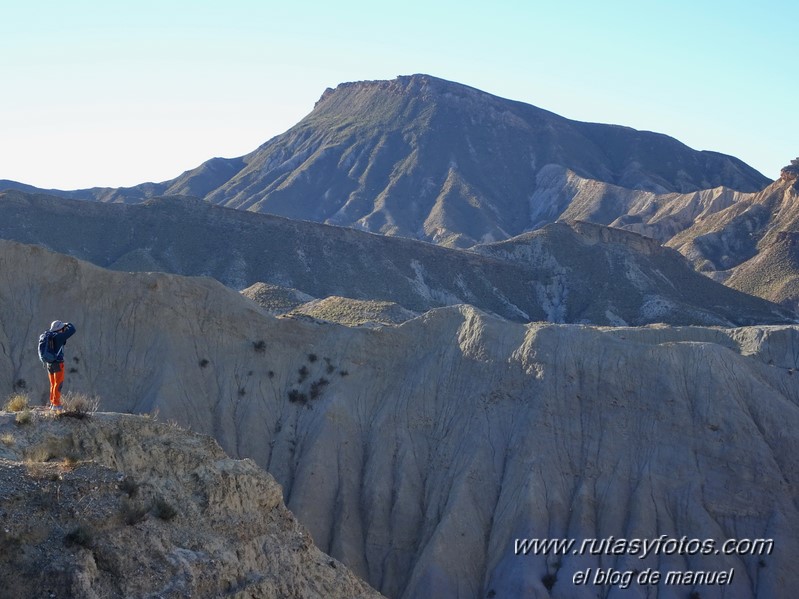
111, 505
790, 172
418, 454
352, 312
276, 299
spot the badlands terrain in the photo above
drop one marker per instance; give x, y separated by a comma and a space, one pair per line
443, 323
417, 454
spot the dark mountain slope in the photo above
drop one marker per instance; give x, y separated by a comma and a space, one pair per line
425, 158
563, 273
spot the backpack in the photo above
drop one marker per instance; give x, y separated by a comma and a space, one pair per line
47, 353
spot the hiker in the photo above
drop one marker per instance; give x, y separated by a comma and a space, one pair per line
51, 353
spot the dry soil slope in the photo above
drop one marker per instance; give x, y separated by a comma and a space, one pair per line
643, 284
417, 454
123, 506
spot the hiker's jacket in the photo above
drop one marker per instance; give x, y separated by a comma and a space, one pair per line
59, 339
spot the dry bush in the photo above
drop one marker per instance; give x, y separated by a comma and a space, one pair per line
24, 417
132, 512
79, 405
17, 403
82, 535
163, 509
7, 439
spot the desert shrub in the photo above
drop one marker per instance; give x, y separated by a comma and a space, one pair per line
204, 362
132, 512
303, 372
17, 402
242, 392
82, 535
312, 358
163, 509
7, 439
271, 374
129, 485
79, 405
24, 417
343, 372
71, 460
317, 387
297, 396
20, 384
549, 580
259, 346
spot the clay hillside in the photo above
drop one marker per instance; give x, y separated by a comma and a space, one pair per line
415, 454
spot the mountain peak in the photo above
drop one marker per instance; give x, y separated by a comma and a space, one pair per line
418, 85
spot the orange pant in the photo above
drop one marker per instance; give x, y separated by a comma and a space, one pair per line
56, 381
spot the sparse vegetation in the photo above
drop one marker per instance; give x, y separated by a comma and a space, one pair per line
242, 392
271, 374
129, 485
312, 358
17, 403
204, 362
7, 439
163, 510
132, 512
24, 417
20, 384
259, 346
317, 387
297, 396
73, 370
303, 372
82, 536
343, 372
79, 405
549, 580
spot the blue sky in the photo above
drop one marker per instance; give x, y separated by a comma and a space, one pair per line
113, 94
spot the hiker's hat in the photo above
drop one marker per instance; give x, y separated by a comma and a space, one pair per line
57, 325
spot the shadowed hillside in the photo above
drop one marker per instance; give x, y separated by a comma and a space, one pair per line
569, 273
